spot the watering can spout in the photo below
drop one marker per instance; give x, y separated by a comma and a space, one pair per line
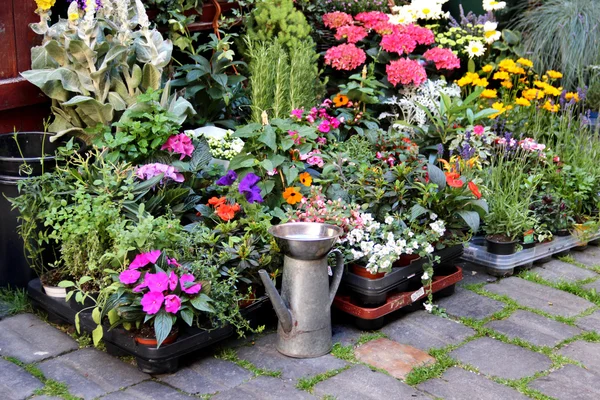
284, 315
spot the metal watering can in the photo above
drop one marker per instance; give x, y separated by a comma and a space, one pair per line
304, 307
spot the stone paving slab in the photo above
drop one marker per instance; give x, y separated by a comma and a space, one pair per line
585, 352
44, 397
424, 331
263, 354
15, 382
29, 339
593, 285
569, 383
544, 298
148, 390
4, 310
208, 375
534, 328
590, 322
345, 334
90, 373
495, 358
395, 358
264, 388
556, 271
360, 383
459, 384
590, 257
468, 304
473, 274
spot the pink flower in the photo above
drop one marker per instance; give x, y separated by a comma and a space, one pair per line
152, 301
315, 160
321, 140
337, 19
172, 261
372, 18
139, 287
478, 130
129, 276
443, 58
324, 126
345, 57
405, 71
295, 136
420, 34
180, 144
297, 113
272, 173
173, 280
148, 171
172, 303
398, 43
351, 33
157, 282
189, 289
141, 260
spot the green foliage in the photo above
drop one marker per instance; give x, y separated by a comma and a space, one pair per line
14, 301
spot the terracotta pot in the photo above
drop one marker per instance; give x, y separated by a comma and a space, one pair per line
151, 342
406, 259
362, 272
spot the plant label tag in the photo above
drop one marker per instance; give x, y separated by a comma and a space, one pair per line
415, 296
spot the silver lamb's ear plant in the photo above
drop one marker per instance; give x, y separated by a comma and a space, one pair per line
93, 67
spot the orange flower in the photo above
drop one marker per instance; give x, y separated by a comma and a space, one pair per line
216, 201
475, 190
226, 211
305, 179
292, 195
340, 100
452, 179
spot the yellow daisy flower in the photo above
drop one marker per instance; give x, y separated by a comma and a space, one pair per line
487, 68
498, 106
554, 74
489, 94
507, 84
522, 102
525, 62
501, 75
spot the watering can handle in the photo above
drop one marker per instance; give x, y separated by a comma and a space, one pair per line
337, 275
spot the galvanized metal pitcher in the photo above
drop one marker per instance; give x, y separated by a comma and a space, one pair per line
304, 307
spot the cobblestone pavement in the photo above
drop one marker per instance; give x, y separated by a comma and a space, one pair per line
533, 335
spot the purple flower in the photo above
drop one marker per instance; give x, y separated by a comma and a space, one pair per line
179, 144
249, 188
152, 301
141, 260
148, 171
157, 282
227, 179
129, 276
440, 150
189, 289
172, 303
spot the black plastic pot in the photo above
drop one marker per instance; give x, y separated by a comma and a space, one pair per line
29, 147
563, 232
500, 248
527, 245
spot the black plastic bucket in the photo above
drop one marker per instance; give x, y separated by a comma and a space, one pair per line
15, 150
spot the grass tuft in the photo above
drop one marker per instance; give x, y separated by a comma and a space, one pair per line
15, 301
308, 384
231, 355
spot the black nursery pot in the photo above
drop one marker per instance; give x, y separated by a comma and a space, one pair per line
563, 232
500, 248
527, 245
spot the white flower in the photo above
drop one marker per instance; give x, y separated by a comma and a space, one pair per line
410, 234
490, 33
403, 15
429, 249
493, 5
438, 227
475, 48
425, 276
433, 216
389, 220
428, 307
427, 9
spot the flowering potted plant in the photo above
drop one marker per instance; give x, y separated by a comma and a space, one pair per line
151, 296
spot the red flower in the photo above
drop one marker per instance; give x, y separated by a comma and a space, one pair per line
475, 190
227, 212
216, 201
452, 179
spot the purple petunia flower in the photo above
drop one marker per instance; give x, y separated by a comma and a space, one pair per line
227, 179
249, 188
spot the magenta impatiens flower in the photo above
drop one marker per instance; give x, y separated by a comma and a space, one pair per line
141, 260
172, 303
189, 289
157, 282
179, 144
152, 301
173, 280
129, 276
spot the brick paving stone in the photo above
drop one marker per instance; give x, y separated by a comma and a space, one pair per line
544, 298
264, 354
590, 257
425, 331
556, 271
459, 384
345, 334
395, 358
534, 328
495, 358
15, 382
473, 274
264, 388
29, 339
585, 352
148, 390
208, 375
468, 304
593, 285
590, 322
569, 383
360, 383
90, 373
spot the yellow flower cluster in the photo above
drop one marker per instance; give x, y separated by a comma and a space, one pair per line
473, 79
45, 5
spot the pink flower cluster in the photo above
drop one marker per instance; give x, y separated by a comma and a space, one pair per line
531, 145
443, 58
398, 43
421, 35
160, 287
372, 19
345, 57
337, 19
405, 71
149, 171
320, 116
179, 144
478, 130
351, 33
313, 158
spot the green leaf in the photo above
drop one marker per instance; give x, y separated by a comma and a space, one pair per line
290, 175
151, 77
242, 161
471, 218
77, 325
163, 323
269, 137
96, 315
267, 165
97, 335
471, 65
510, 37
66, 284
416, 211
247, 131
84, 279
436, 176
187, 315
470, 116
113, 316
481, 203
201, 303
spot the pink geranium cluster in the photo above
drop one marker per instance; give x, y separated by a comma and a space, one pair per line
443, 58
319, 117
149, 171
160, 289
405, 71
345, 57
179, 144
